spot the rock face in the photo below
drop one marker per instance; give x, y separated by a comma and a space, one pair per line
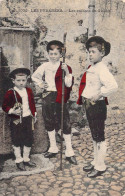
40, 135
5, 140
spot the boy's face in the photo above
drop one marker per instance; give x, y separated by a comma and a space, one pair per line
20, 81
54, 55
95, 55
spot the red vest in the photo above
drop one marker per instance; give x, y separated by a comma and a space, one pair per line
81, 88
9, 101
58, 82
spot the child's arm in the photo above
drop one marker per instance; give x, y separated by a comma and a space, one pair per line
15, 111
68, 76
37, 76
7, 104
109, 85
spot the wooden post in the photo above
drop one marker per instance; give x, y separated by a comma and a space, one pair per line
91, 17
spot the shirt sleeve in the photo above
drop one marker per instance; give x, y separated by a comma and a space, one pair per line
37, 76
68, 80
109, 85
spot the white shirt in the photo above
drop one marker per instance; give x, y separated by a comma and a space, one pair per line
25, 102
98, 78
49, 71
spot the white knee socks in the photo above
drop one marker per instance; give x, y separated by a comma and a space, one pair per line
17, 153
53, 147
69, 150
100, 156
26, 153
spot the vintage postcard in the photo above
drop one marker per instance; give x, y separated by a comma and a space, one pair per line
44, 38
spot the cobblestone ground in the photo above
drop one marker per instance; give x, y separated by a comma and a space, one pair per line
72, 180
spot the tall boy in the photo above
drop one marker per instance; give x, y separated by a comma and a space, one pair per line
19, 104
96, 84
52, 95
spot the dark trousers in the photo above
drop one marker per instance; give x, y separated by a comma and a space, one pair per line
22, 134
52, 114
96, 116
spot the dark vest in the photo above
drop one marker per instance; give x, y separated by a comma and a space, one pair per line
58, 82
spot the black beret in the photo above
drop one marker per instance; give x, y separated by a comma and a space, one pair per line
99, 40
19, 70
56, 43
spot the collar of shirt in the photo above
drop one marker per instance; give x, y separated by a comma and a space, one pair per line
95, 67
53, 66
21, 92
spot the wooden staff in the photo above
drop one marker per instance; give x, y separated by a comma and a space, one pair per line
62, 104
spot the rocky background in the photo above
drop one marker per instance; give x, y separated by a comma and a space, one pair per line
51, 20
48, 25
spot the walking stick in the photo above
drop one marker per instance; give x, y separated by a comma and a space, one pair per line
62, 104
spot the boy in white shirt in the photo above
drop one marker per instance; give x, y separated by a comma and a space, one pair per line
48, 77
96, 84
19, 104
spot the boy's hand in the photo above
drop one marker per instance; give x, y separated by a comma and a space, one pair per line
16, 111
35, 118
65, 68
38, 89
43, 86
96, 98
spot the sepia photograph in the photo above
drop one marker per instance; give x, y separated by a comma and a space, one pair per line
62, 98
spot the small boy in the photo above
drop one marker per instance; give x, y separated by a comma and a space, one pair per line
19, 104
96, 84
52, 96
